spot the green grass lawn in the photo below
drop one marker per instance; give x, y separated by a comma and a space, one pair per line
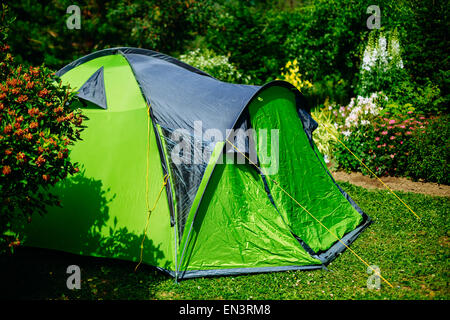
412, 256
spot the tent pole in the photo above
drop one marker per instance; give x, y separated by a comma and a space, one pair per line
176, 253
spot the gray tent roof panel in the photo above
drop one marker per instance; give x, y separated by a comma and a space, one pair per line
179, 97
179, 93
93, 89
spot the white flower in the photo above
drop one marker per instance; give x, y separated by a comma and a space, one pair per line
381, 54
346, 133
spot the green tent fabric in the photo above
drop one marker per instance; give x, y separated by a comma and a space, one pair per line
217, 217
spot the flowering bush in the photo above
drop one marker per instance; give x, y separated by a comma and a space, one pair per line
386, 146
37, 125
359, 112
382, 64
382, 68
217, 66
343, 121
291, 74
389, 148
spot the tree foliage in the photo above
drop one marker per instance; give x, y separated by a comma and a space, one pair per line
40, 33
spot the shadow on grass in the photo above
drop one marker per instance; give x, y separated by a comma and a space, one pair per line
79, 228
40, 274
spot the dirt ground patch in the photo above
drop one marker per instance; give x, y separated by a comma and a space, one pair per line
396, 184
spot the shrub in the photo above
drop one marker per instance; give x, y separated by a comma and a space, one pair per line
429, 152
358, 142
37, 125
325, 37
426, 98
217, 66
396, 110
41, 34
329, 88
325, 135
242, 31
404, 145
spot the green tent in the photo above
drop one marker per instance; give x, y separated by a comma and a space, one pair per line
217, 216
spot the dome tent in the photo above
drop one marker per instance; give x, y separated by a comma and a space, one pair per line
209, 217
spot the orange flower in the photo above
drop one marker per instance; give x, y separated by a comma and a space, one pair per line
52, 141
19, 133
34, 71
33, 111
14, 243
28, 136
40, 160
30, 85
6, 170
11, 82
57, 110
7, 129
20, 156
33, 125
8, 151
43, 93
22, 98
45, 177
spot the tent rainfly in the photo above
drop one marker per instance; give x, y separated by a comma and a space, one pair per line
209, 217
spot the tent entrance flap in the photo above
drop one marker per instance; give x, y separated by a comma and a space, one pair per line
296, 169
